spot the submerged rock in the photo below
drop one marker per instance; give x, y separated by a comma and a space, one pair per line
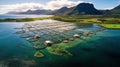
61, 48
88, 33
17, 62
64, 53
38, 54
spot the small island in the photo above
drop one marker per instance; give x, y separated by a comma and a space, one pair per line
38, 54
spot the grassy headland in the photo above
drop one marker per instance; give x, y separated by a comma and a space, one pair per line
89, 19
111, 26
107, 21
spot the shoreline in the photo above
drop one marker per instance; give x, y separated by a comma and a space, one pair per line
23, 19
109, 23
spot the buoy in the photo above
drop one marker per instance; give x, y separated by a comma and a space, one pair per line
76, 35
71, 39
65, 41
37, 36
27, 38
48, 43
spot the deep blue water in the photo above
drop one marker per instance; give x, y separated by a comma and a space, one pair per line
101, 50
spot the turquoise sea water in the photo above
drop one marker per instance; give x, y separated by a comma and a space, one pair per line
100, 50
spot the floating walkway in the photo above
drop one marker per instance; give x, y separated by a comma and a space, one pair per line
46, 34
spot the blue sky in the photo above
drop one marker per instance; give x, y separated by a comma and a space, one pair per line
23, 5
98, 3
3, 2
101, 4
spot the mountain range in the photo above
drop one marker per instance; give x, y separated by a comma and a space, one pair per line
42, 11
116, 10
80, 9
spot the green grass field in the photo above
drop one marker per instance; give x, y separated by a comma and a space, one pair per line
111, 26
87, 19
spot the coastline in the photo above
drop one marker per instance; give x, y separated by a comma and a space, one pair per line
106, 22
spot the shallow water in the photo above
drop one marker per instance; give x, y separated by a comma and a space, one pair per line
100, 50
14, 16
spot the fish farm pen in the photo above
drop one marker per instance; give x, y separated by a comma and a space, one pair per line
46, 34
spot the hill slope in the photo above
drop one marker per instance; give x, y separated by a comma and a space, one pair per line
84, 9
115, 10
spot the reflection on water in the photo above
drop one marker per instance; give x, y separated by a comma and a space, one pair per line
10, 16
100, 50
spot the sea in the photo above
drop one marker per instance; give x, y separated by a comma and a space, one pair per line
101, 50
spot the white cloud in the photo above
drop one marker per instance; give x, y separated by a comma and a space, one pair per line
20, 7
52, 5
56, 4
109, 8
